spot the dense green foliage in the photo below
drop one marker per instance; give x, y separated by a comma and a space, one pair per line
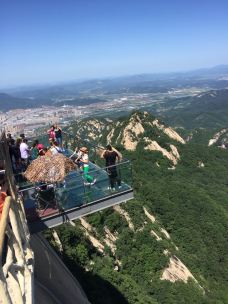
191, 202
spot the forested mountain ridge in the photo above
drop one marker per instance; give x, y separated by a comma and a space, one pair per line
207, 110
139, 129
169, 244
155, 86
215, 78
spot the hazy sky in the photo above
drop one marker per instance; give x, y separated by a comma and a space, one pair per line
57, 40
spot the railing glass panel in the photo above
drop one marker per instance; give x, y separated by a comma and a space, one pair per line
78, 188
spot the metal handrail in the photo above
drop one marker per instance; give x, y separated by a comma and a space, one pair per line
119, 164
127, 161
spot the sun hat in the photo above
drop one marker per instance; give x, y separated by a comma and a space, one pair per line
84, 149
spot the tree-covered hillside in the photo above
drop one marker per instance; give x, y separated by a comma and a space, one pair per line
206, 110
170, 244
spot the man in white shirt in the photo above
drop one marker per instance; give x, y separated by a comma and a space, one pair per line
24, 149
55, 149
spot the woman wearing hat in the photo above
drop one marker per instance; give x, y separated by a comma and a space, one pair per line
84, 160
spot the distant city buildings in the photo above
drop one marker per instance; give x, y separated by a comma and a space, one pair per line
28, 121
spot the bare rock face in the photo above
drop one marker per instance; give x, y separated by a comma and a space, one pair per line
216, 137
131, 133
157, 237
200, 164
110, 240
57, 241
165, 232
110, 135
150, 216
175, 152
135, 129
173, 155
176, 270
168, 131
125, 214
88, 230
93, 129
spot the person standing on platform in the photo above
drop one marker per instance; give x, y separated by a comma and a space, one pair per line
51, 133
34, 150
24, 149
111, 155
55, 149
17, 156
84, 160
9, 139
58, 135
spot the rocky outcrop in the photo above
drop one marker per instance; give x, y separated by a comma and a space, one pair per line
216, 137
200, 164
153, 233
88, 229
150, 216
57, 241
131, 133
166, 234
91, 129
175, 152
176, 271
110, 240
124, 213
110, 135
173, 155
168, 131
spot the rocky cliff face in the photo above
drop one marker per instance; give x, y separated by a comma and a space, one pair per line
220, 139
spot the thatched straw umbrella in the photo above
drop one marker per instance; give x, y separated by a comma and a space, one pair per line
49, 169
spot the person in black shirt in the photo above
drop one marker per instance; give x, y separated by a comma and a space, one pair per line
17, 166
58, 135
9, 139
111, 156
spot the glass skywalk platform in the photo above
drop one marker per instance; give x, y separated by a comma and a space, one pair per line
50, 205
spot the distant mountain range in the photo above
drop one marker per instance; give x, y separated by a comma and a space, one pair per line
101, 90
9, 102
216, 76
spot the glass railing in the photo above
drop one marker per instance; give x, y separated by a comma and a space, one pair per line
77, 189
